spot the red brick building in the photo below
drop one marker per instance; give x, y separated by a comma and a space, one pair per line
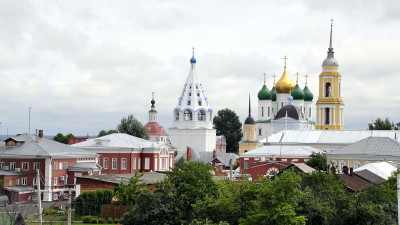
267, 160
123, 153
58, 164
220, 145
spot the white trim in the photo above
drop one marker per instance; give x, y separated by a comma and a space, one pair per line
116, 164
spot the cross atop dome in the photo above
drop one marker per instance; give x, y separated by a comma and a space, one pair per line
193, 59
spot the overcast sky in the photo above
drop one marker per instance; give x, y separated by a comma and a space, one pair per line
83, 65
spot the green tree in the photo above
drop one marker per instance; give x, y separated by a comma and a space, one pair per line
380, 124
318, 162
227, 123
133, 127
127, 192
63, 139
104, 132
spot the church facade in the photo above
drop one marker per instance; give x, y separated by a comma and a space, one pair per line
153, 128
193, 116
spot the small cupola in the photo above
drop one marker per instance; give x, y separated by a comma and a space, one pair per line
264, 93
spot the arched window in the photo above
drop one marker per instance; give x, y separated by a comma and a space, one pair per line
269, 111
259, 131
190, 93
326, 116
199, 102
328, 89
201, 115
176, 113
188, 114
262, 111
188, 102
310, 113
198, 94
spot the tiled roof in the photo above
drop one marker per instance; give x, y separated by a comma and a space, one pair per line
43, 147
375, 146
117, 140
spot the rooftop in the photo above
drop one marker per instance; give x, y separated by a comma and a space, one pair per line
381, 169
374, 146
148, 177
284, 151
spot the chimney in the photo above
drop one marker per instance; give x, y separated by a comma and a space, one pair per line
214, 154
41, 133
188, 153
345, 170
351, 171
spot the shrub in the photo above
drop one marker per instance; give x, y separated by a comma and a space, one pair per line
50, 211
101, 221
94, 220
116, 221
109, 220
86, 219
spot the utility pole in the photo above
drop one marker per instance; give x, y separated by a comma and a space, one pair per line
39, 196
69, 207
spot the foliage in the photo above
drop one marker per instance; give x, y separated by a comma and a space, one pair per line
63, 139
133, 127
90, 202
227, 123
234, 167
104, 132
127, 192
318, 162
116, 221
86, 219
380, 124
179, 162
101, 221
109, 220
93, 221
50, 211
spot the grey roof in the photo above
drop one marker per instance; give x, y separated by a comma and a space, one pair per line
376, 146
284, 151
304, 167
330, 136
117, 140
370, 176
43, 148
21, 188
9, 173
148, 177
83, 166
207, 157
382, 169
290, 111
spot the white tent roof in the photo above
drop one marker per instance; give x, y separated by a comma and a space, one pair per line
382, 169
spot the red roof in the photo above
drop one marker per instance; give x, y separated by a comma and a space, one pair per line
153, 128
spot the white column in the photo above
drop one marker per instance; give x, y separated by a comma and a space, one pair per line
48, 179
340, 116
334, 116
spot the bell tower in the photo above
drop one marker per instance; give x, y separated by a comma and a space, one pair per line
330, 105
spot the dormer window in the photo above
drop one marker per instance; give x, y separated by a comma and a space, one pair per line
198, 94
188, 102
199, 102
99, 143
190, 93
11, 143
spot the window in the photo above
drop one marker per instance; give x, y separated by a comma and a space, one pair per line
36, 166
188, 114
357, 164
170, 162
139, 163
342, 163
282, 105
146, 163
24, 181
9, 182
163, 164
177, 114
188, 102
1, 165
65, 165
12, 166
114, 163
123, 164
326, 116
25, 166
328, 90
190, 94
55, 165
134, 163
55, 180
262, 111
246, 164
259, 131
197, 86
105, 163
60, 165
201, 115
199, 102
269, 111
309, 113
198, 94
256, 159
34, 181
190, 87
17, 182
155, 164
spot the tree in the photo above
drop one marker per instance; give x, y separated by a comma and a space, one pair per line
133, 127
318, 162
127, 192
104, 132
227, 123
379, 124
63, 139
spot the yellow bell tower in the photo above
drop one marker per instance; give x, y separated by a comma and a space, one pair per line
248, 142
330, 105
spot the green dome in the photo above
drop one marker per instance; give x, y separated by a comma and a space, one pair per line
273, 93
264, 93
297, 93
308, 95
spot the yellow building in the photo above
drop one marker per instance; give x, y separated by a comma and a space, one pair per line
330, 105
248, 142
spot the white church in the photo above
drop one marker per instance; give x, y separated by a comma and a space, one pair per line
192, 116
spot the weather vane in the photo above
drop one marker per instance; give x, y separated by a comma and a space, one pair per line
193, 50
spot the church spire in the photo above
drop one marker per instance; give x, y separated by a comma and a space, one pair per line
330, 59
152, 112
249, 106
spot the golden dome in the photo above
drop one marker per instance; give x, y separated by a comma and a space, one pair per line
285, 84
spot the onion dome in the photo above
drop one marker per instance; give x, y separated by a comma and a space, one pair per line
297, 93
308, 95
249, 120
193, 59
285, 84
264, 93
273, 94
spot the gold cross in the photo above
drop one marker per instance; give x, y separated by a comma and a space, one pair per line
274, 79
331, 22
297, 79
285, 60
306, 78
264, 77
193, 50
